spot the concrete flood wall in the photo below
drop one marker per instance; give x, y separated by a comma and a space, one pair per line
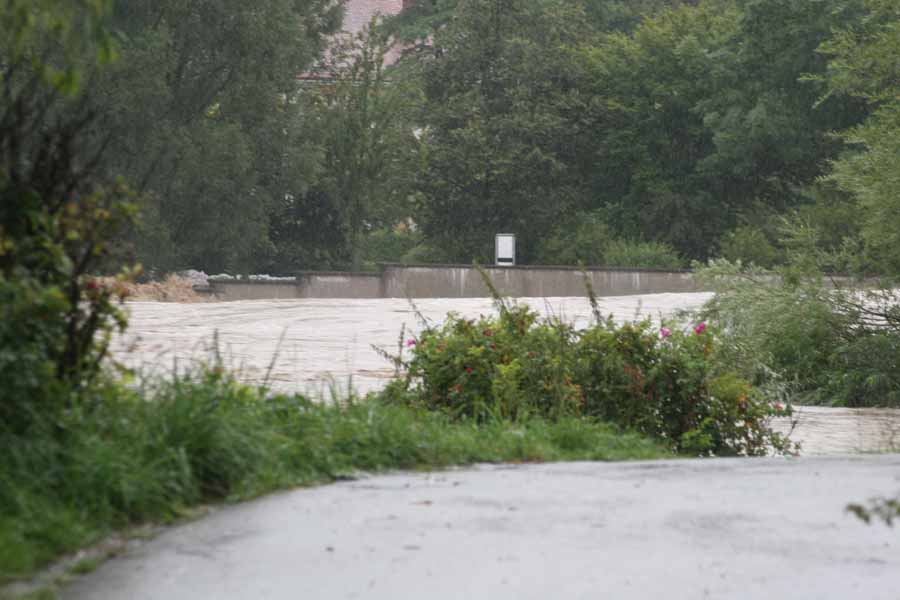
452, 281
321, 284
458, 281
338, 284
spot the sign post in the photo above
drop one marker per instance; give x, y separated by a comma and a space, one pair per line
505, 249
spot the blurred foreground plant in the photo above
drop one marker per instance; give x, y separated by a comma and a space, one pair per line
885, 509
57, 215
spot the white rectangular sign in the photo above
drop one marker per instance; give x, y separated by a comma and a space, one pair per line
505, 249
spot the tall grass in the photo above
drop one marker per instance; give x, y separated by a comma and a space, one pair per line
129, 456
799, 333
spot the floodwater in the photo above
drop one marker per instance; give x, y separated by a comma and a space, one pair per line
324, 347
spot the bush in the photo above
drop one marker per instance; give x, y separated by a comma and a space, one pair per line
583, 241
499, 368
647, 255
751, 246
424, 253
795, 331
864, 371
512, 366
30, 334
587, 240
655, 385
388, 245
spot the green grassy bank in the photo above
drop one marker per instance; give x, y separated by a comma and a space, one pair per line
148, 455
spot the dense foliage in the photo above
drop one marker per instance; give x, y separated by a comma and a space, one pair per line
819, 340
201, 114
661, 382
501, 99
864, 64
368, 151
687, 128
586, 239
834, 346
57, 216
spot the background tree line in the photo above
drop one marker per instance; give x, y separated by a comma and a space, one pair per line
631, 133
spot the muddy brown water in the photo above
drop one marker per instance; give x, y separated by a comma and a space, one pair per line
324, 347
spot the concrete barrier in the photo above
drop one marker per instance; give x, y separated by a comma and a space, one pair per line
339, 284
461, 281
458, 281
239, 289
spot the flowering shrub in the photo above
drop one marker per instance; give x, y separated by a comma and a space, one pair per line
660, 382
664, 383
502, 367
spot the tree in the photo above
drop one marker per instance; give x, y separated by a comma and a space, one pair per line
772, 131
626, 15
865, 64
418, 22
649, 137
367, 145
716, 117
57, 212
500, 124
203, 122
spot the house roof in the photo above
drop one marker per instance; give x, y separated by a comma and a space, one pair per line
358, 13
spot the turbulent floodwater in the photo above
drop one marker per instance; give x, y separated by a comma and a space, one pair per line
324, 346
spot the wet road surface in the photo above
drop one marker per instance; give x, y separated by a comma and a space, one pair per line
682, 529
679, 529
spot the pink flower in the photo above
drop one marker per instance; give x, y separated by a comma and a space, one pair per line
410, 343
700, 328
665, 332
468, 369
778, 406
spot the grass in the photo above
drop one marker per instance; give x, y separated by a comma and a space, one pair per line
44, 593
87, 565
125, 457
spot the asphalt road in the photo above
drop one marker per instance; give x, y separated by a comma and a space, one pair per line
685, 529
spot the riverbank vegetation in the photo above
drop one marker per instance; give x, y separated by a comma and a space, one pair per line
814, 339
668, 382
177, 133
833, 339
121, 455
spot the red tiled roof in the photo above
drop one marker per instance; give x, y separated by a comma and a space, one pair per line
360, 12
